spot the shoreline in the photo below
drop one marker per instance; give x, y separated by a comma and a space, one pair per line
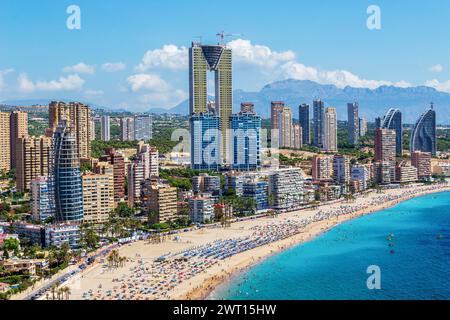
309, 233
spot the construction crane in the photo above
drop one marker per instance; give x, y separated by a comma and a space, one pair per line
222, 35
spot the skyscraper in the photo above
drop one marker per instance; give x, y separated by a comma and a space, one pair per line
275, 108
143, 127
304, 123
423, 137
385, 145
330, 130
245, 142
318, 118
78, 119
127, 129
205, 141
217, 59
19, 129
285, 127
393, 121
297, 141
66, 175
105, 128
5, 142
353, 123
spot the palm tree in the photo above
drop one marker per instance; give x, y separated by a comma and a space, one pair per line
53, 290
67, 292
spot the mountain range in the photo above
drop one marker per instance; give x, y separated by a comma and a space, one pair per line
373, 103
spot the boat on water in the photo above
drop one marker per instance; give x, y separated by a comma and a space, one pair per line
440, 237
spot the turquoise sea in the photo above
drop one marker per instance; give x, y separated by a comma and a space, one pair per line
414, 263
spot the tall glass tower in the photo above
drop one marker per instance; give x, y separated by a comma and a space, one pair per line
205, 141
318, 118
304, 123
66, 175
423, 137
245, 141
217, 59
393, 121
353, 123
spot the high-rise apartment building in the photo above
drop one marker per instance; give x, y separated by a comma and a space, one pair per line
42, 207
117, 160
422, 161
143, 167
78, 117
423, 137
217, 59
127, 129
158, 200
341, 169
32, 160
143, 127
286, 188
65, 175
330, 130
353, 123
385, 145
297, 136
275, 108
5, 142
201, 209
304, 123
318, 122
322, 168
285, 127
105, 124
98, 196
19, 129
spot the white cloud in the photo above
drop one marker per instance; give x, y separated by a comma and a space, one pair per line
285, 65
80, 68
339, 78
113, 66
150, 82
169, 57
436, 68
440, 86
246, 52
71, 82
3, 73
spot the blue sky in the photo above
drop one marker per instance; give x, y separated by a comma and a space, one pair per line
132, 54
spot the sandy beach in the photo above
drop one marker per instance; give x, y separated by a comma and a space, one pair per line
193, 263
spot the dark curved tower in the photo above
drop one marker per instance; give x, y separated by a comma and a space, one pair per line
393, 121
66, 176
423, 137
